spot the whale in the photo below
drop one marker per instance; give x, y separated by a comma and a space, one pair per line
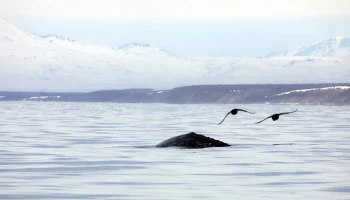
192, 140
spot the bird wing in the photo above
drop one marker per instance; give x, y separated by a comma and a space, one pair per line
225, 117
245, 111
263, 120
288, 112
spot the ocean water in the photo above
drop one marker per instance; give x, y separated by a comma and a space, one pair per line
51, 150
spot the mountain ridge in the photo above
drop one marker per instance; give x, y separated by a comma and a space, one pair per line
338, 46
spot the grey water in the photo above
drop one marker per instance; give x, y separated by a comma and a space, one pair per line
51, 150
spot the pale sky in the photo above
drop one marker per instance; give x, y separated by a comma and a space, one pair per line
234, 28
174, 9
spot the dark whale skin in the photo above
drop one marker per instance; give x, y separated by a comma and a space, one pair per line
192, 140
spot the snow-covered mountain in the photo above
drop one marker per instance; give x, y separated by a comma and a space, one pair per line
338, 46
53, 63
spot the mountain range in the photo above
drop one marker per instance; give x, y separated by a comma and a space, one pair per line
29, 62
338, 46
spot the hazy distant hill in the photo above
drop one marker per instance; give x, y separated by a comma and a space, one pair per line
338, 94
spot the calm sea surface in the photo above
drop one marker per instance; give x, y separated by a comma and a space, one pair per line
96, 151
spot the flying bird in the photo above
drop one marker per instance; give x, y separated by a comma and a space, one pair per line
234, 112
275, 117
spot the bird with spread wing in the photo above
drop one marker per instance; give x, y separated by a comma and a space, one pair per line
275, 117
234, 112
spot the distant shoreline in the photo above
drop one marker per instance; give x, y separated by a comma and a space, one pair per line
307, 94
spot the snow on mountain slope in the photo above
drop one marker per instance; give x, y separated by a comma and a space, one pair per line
54, 63
134, 45
338, 46
11, 33
74, 45
144, 50
314, 89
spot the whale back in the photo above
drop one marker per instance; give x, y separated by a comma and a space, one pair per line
192, 140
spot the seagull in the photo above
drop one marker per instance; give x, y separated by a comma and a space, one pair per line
276, 116
234, 112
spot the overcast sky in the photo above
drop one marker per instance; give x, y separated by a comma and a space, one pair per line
222, 28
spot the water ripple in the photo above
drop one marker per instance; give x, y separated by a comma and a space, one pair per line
53, 150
